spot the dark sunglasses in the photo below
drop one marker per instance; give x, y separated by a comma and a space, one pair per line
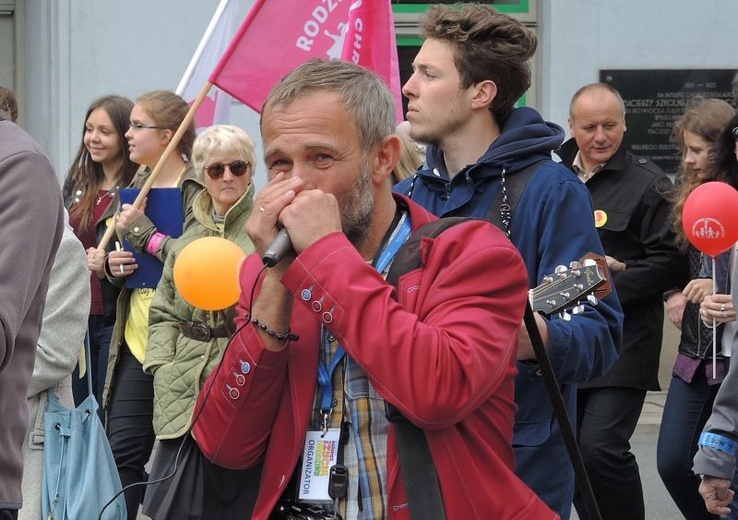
237, 168
735, 133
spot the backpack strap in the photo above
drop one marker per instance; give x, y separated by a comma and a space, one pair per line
408, 257
416, 463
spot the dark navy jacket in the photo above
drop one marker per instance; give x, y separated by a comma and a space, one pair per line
553, 224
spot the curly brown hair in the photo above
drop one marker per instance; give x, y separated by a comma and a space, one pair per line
707, 118
488, 45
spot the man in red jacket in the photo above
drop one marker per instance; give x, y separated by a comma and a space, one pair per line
324, 340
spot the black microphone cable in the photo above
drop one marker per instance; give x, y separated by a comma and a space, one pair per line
199, 412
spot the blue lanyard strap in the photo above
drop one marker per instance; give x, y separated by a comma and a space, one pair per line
325, 373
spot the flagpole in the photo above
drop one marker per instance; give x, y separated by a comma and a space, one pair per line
201, 47
162, 160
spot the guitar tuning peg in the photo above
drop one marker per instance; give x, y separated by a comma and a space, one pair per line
579, 309
574, 265
592, 299
560, 269
588, 262
565, 316
548, 279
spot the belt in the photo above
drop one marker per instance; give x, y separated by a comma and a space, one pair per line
201, 332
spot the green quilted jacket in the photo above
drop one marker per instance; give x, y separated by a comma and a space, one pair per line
180, 365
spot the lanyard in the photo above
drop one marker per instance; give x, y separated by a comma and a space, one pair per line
325, 373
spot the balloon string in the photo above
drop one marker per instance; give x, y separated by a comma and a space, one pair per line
714, 327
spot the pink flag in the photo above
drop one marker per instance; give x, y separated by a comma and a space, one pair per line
279, 35
370, 42
216, 107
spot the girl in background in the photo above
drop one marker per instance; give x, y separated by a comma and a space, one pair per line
100, 168
692, 388
129, 392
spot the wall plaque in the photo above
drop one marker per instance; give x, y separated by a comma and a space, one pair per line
655, 99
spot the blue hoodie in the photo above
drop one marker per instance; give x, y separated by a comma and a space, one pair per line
553, 224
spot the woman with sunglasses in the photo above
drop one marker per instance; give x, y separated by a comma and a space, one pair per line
693, 383
186, 343
129, 392
101, 167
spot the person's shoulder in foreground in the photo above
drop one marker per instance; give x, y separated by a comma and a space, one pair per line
31, 213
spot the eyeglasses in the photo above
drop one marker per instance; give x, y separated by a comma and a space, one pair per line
140, 126
735, 133
217, 170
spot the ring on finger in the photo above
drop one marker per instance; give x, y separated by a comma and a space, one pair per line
722, 307
725, 314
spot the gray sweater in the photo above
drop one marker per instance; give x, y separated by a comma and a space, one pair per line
59, 345
31, 229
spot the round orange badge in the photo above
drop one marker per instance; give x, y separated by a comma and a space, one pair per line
600, 218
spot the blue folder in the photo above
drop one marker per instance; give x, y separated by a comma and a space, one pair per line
164, 208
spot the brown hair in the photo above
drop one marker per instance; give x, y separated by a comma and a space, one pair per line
168, 110
8, 104
708, 119
85, 175
488, 45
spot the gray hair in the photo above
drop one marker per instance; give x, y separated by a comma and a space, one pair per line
364, 94
228, 138
596, 86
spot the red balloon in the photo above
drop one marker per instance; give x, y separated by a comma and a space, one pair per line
710, 217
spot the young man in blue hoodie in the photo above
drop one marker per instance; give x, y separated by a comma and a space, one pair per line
471, 69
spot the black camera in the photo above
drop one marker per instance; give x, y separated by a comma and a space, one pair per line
291, 511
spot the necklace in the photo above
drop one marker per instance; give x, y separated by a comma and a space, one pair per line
109, 193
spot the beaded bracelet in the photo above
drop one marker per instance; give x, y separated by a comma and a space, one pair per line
285, 336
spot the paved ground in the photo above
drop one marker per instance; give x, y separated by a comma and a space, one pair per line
659, 505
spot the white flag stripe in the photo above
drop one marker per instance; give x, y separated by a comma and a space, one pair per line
219, 33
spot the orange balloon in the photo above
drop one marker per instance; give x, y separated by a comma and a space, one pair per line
206, 273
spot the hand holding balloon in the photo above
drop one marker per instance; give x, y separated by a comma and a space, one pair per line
206, 273
709, 217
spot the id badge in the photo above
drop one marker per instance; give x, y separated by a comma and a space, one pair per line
318, 456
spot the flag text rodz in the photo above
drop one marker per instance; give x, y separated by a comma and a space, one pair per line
311, 29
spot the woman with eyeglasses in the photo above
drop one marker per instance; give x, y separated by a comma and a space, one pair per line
693, 384
129, 392
101, 167
186, 343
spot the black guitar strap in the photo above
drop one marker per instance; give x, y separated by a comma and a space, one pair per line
500, 214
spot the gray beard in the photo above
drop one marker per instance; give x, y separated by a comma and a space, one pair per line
356, 213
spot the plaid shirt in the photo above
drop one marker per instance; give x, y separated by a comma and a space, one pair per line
361, 409
364, 451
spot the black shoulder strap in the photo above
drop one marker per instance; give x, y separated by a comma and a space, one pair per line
416, 463
408, 257
503, 206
